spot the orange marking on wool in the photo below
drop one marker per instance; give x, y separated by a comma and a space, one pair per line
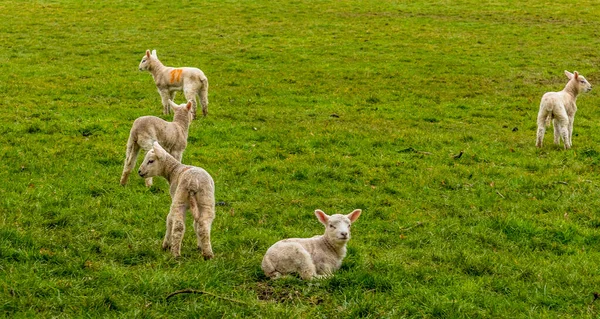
176, 75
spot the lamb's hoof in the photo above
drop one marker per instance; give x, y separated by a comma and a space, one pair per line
123, 180
208, 256
166, 246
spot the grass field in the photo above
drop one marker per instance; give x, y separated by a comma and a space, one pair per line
334, 105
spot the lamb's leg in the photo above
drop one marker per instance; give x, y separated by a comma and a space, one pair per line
562, 121
165, 95
178, 227
131, 155
190, 94
556, 132
204, 214
167, 241
308, 270
571, 120
204, 97
177, 155
269, 269
541, 122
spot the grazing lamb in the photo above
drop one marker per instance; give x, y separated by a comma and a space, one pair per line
148, 129
560, 107
315, 257
191, 187
191, 81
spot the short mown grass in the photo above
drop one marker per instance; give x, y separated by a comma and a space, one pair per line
333, 105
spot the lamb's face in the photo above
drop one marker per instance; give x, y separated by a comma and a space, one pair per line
150, 165
584, 85
337, 228
145, 63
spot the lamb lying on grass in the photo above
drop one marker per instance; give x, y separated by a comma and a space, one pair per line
314, 257
191, 81
561, 108
148, 129
191, 187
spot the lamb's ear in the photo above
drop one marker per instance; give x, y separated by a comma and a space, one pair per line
323, 218
576, 74
189, 104
354, 215
154, 53
569, 74
158, 150
173, 104
148, 53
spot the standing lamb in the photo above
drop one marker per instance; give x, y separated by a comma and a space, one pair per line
314, 257
561, 108
148, 129
191, 187
191, 81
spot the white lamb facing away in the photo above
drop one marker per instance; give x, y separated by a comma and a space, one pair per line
560, 107
148, 129
315, 257
169, 80
190, 187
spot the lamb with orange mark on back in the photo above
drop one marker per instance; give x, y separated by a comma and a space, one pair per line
169, 80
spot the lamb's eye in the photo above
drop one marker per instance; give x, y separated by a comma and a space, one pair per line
332, 226
150, 161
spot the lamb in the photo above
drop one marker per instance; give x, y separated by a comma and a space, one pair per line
191, 187
561, 108
315, 257
191, 81
147, 129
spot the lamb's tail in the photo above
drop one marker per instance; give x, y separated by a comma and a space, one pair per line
549, 119
204, 96
194, 206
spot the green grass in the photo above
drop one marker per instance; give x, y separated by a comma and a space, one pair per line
334, 105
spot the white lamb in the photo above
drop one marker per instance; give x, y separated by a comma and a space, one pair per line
191, 81
148, 129
191, 187
561, 108
314, 257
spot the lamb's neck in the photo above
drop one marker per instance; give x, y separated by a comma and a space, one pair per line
183, 120
157, 69
338, 249
572, 89
170, 170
